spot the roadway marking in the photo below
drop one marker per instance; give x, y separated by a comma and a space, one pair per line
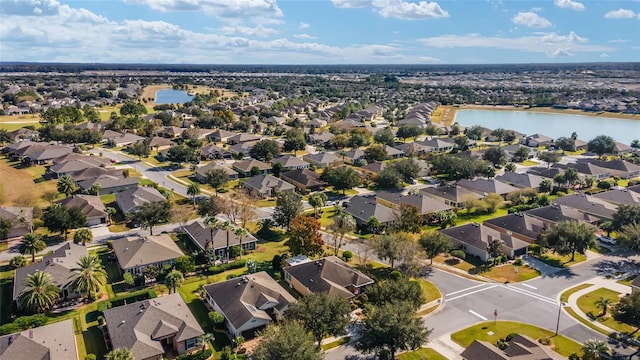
529, 286
478, 315
531, 294
463, 290
471, 293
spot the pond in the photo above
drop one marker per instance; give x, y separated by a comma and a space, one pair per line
553, 124
172, 96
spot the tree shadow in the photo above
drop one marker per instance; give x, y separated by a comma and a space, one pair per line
566, 273
613, 268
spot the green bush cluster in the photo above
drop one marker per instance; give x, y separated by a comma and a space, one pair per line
217, 269
23, 323
200, 355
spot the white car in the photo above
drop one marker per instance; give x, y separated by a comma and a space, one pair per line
331, 203
607, 240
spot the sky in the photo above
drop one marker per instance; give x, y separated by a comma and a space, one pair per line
320, 31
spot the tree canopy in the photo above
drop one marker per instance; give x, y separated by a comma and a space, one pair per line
288, 206
287, 340
322, 315
568, 237
341, 178
304, 236
152, 214
602, 144
265, 150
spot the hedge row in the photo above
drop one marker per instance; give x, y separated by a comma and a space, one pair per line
228, 266
23, 323
127, 299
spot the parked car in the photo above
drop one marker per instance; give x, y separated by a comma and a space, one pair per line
607, 240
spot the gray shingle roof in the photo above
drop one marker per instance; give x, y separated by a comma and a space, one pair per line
202, 234
266, 182
90, 205
364, 207
329, 275
485, 186
258, 290
137, 326
130, 199
137, 251
49, 342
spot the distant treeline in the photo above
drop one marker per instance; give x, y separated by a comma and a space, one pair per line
314, 69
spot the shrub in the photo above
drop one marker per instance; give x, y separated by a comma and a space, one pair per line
90, 357
518, 262
17, 262
128, 279
200, 355
510, 336
100, 320
535, 249
459, 254
110, 244
544, 341
604, 184
216, 318
501, 345
395, 275
228, 266
185, 264
276, 262
10, 329
347, 255
23, 323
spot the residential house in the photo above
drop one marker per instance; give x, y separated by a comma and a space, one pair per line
352, 156
59, 265
109, 184
201, 172
487, 186
92, 173
290, 163
249, 303
321, 138
150, 328
537, 140
23, 134
244, 167
585, 169
589, 205
54, 341
21, 219
158, 143
170, 132
415, 148
512, 149
328, 275
221, 136
323, 159
242, 138
266, 185
243, 148
521, 181
130, 200
47, 154
621, 168
520, 347
393, 153
303, 179
426, 205
635, 284
90, 205
475, 238
217, 239
124, 139
362, 208
371, 170
455, 196
619, 197
212, 151
520, 225
437, 144
557, 213
135, 253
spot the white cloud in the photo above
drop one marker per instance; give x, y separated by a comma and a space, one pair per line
303, 25
260, 30
620, 14
398, 9
551, 44
305, 36
560, 53
219, 8
530, 19
569, 4
618, 41
604, 55
429, 60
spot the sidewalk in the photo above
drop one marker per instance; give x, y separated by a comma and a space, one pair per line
445, 346
598, 283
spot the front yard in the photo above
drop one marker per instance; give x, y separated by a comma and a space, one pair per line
586, 303
490, 332
511, 273
553, 259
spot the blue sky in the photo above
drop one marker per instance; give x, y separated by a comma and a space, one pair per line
319, 31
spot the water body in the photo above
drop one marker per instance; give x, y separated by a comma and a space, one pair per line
553, 125
172, 96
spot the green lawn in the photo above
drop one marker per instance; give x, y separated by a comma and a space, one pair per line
422, 354
507, 273
626, 281
464, 218
586, 303
6, 293
559, 261
565, 295
429, 291
335, 344
470, 264
563, 345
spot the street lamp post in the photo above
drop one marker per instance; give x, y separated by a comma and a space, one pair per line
558, 321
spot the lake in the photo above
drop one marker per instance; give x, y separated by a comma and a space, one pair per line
554, 125
172, 96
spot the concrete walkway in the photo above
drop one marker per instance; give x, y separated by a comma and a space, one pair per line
445, 346
598, 283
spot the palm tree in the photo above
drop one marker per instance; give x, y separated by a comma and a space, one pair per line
193, 190
91, 275
66, 185
212, 222
205, 338
119, 354
83, 236
31, 243
602, 303
226, 226
240, 233
110, 212
317, 201
594, 348
174, 279
39, 293
95, 189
